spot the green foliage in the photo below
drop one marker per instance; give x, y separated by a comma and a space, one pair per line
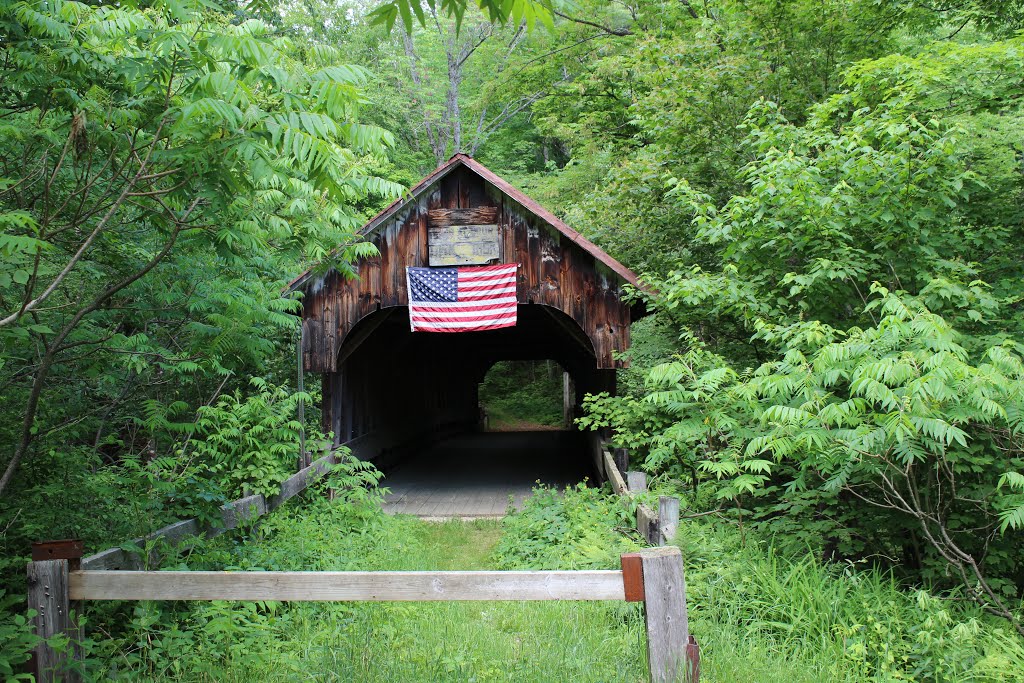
899, 417
519, 395
17, 638
578, 528
163, 168
514, 12
435, 641
249, 445
855, 625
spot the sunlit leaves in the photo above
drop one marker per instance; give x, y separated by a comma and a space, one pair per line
883, 409
159, 116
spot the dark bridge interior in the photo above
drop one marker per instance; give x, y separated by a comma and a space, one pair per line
397, 389
481, 474
410, 402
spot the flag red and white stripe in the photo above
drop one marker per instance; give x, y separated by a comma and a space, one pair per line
467, 299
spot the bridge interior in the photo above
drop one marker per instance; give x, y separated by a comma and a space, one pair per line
398, 392
410, 402
479, 475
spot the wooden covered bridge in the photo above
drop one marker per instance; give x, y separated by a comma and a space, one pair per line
411, 398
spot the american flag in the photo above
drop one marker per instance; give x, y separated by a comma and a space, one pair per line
462, 299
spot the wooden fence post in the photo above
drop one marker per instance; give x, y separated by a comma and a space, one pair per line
668, 518
48, 595
636, 481
668, 631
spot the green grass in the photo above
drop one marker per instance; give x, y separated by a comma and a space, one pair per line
455, 641
760, 618
472, 641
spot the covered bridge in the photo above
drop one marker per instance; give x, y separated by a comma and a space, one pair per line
385, 386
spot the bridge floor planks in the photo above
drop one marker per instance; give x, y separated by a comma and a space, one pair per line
477, 475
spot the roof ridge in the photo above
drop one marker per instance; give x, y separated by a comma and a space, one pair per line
506, 188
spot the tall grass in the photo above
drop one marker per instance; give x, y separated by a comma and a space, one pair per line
374, 642
759, 617
831, 622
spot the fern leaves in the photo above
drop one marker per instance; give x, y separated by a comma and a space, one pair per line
893, 406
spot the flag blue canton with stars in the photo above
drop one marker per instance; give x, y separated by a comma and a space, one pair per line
434, 284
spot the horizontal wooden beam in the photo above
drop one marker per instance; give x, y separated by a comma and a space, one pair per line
244, 509
473, 216
614, 476
333, 586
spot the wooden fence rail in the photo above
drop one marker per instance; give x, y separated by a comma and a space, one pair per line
653, 576
231, 515
657, 527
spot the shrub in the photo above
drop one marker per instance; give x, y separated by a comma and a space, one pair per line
578, 528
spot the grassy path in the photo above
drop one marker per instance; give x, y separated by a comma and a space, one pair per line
760, 618
430, 642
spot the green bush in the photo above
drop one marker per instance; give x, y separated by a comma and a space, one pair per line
250, 444
17, 638
578, 528
898, 440
863, 623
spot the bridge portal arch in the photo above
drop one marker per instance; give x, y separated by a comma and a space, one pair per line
385, 386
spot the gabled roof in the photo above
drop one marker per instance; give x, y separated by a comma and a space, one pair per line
461, 160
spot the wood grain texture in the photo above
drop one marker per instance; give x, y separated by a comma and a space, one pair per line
647, 524
334, 586
557, 270
613, 474
636, 481
668, 518
665, 613
470, 216
48, 595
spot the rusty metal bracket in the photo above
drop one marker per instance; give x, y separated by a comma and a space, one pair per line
693, 660
633, 577
69, 549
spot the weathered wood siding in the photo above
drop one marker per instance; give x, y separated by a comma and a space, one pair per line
554, 271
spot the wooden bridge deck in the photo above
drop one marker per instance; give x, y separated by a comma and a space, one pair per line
475, 475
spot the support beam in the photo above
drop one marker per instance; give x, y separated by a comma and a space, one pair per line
361, 333
668, 631
568, 400
369, 586
49, 596
621, 456
578, 336
668, 518
636, 481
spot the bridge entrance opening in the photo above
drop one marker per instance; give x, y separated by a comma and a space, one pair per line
482, 474
522, 440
